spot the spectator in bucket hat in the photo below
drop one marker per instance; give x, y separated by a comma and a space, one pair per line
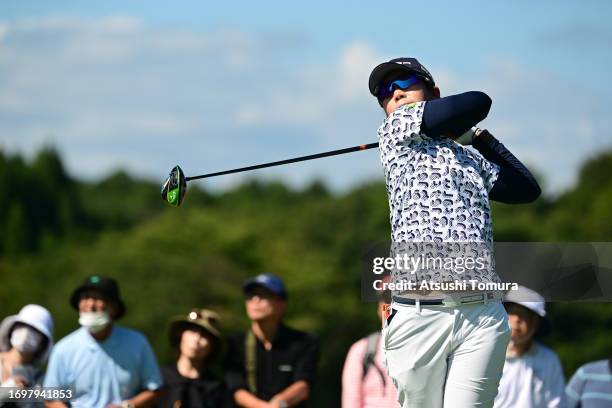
189, 382
105, 364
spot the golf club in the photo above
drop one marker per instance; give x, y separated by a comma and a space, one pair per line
175, 186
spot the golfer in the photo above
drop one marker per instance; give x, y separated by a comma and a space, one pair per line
443, 348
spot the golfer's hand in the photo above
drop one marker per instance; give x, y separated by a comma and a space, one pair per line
468, 137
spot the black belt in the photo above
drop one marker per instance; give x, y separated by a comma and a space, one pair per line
427, 302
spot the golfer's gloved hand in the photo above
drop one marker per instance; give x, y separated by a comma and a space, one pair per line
468, 137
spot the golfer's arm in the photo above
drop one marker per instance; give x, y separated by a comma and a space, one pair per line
295, 393
453, 115
515, 183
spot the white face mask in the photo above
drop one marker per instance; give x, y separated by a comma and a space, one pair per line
94, 321
26, 339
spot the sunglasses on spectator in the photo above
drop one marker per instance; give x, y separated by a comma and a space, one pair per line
260, 293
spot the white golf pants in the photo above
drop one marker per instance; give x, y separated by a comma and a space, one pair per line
441, 357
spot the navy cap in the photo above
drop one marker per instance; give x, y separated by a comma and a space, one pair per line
408, 65
267, 280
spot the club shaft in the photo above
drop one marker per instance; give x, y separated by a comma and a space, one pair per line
287, 161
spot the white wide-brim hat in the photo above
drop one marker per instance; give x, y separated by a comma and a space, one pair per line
35, 316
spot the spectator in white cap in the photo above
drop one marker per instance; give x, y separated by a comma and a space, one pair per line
532, 376
25, 342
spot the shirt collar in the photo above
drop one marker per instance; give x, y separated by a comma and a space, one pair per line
92, 343
532, 350
279, 336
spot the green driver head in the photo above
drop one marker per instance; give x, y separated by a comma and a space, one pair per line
174, 188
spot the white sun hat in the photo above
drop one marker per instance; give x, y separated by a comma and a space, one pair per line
35, 316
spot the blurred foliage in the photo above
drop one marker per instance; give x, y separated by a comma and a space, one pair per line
37, 201
57, 230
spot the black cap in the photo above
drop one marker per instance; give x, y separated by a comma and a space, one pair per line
106, 286
409, 65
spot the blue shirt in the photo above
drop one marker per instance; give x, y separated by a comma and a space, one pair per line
591, 386
102, 373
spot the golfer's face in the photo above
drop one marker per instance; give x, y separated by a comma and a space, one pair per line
416, 93
261, 304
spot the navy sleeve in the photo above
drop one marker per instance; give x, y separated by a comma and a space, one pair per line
515, 184
454, 115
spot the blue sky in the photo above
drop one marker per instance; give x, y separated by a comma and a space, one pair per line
144, 85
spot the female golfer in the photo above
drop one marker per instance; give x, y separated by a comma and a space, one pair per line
443, 348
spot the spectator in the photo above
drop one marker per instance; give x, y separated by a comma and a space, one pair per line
189, 382
271, 365
25, 342
365, 382
532, 375
591, 386
105, 364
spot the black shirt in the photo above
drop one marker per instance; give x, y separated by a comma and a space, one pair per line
293, 357
204, 392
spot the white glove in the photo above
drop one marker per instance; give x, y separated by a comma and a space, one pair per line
468, 137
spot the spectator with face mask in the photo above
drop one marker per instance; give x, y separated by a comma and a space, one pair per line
25, 342
106, 365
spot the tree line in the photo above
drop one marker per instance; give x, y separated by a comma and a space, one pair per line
58, 229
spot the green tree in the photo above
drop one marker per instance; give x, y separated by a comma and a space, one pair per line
17, 231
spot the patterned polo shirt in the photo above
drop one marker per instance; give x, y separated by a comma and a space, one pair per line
438, 193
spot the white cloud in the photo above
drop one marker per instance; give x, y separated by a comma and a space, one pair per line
577, 34
356, 62
3, 30
316, 94
116, 92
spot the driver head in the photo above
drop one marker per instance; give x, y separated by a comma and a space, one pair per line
174, 188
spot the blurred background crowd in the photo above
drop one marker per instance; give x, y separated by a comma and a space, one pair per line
268, 364
98, 100
58, 230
